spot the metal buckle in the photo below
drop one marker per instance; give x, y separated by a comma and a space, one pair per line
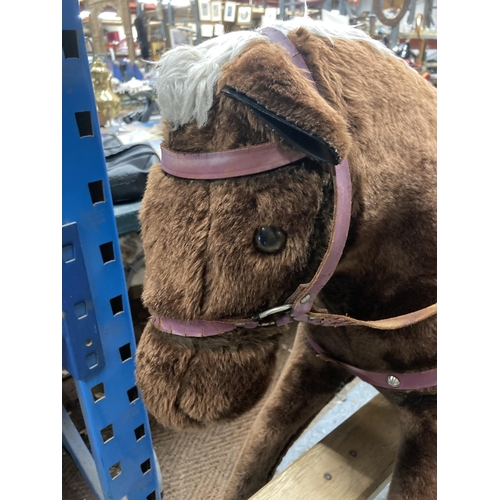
274, 310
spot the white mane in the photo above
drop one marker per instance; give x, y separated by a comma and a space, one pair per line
187, 75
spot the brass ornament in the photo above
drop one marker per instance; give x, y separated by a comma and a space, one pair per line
108, 103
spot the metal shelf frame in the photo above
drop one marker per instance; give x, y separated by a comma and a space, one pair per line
98, 338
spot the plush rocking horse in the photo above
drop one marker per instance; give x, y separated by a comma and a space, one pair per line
297, 185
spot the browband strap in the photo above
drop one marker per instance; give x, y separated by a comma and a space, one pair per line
226, 164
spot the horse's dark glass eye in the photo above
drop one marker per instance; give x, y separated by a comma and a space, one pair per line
269, 239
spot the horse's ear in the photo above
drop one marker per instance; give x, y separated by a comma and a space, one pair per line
299, 138
264, 79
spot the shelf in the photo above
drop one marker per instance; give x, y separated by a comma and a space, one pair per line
98, 337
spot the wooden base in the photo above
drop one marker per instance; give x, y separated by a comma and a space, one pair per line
352, 463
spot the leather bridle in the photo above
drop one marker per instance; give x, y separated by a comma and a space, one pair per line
299, 306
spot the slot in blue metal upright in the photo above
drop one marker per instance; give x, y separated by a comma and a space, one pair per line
98, 339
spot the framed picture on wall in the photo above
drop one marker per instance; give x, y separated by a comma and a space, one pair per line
207, 30
230, 12
216, 11
204, 10
218, 29
244, 14
177, 37
270, 15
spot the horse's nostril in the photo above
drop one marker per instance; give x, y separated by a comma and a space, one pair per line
269, 239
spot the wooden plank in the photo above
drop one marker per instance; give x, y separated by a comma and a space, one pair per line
349, 464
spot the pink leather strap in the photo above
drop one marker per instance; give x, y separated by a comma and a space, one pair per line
304, 296
277, 36
226, 164
399, 381
198, 328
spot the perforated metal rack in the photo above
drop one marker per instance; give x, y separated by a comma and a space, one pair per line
98, 339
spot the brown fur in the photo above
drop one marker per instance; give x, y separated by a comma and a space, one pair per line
198, 235
186, 382
201, 263
305, 386
415, 474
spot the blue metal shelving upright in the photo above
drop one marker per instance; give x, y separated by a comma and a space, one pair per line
98, 339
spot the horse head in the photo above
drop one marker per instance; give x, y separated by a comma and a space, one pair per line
221, 251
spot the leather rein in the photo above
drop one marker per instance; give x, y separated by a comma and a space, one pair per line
299, 306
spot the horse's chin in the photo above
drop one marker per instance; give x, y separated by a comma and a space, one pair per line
189, 382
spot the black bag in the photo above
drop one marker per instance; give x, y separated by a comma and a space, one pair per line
128, 168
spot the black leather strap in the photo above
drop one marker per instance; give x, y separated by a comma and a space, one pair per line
312, 146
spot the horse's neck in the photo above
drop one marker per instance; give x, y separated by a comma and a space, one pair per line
390, 113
